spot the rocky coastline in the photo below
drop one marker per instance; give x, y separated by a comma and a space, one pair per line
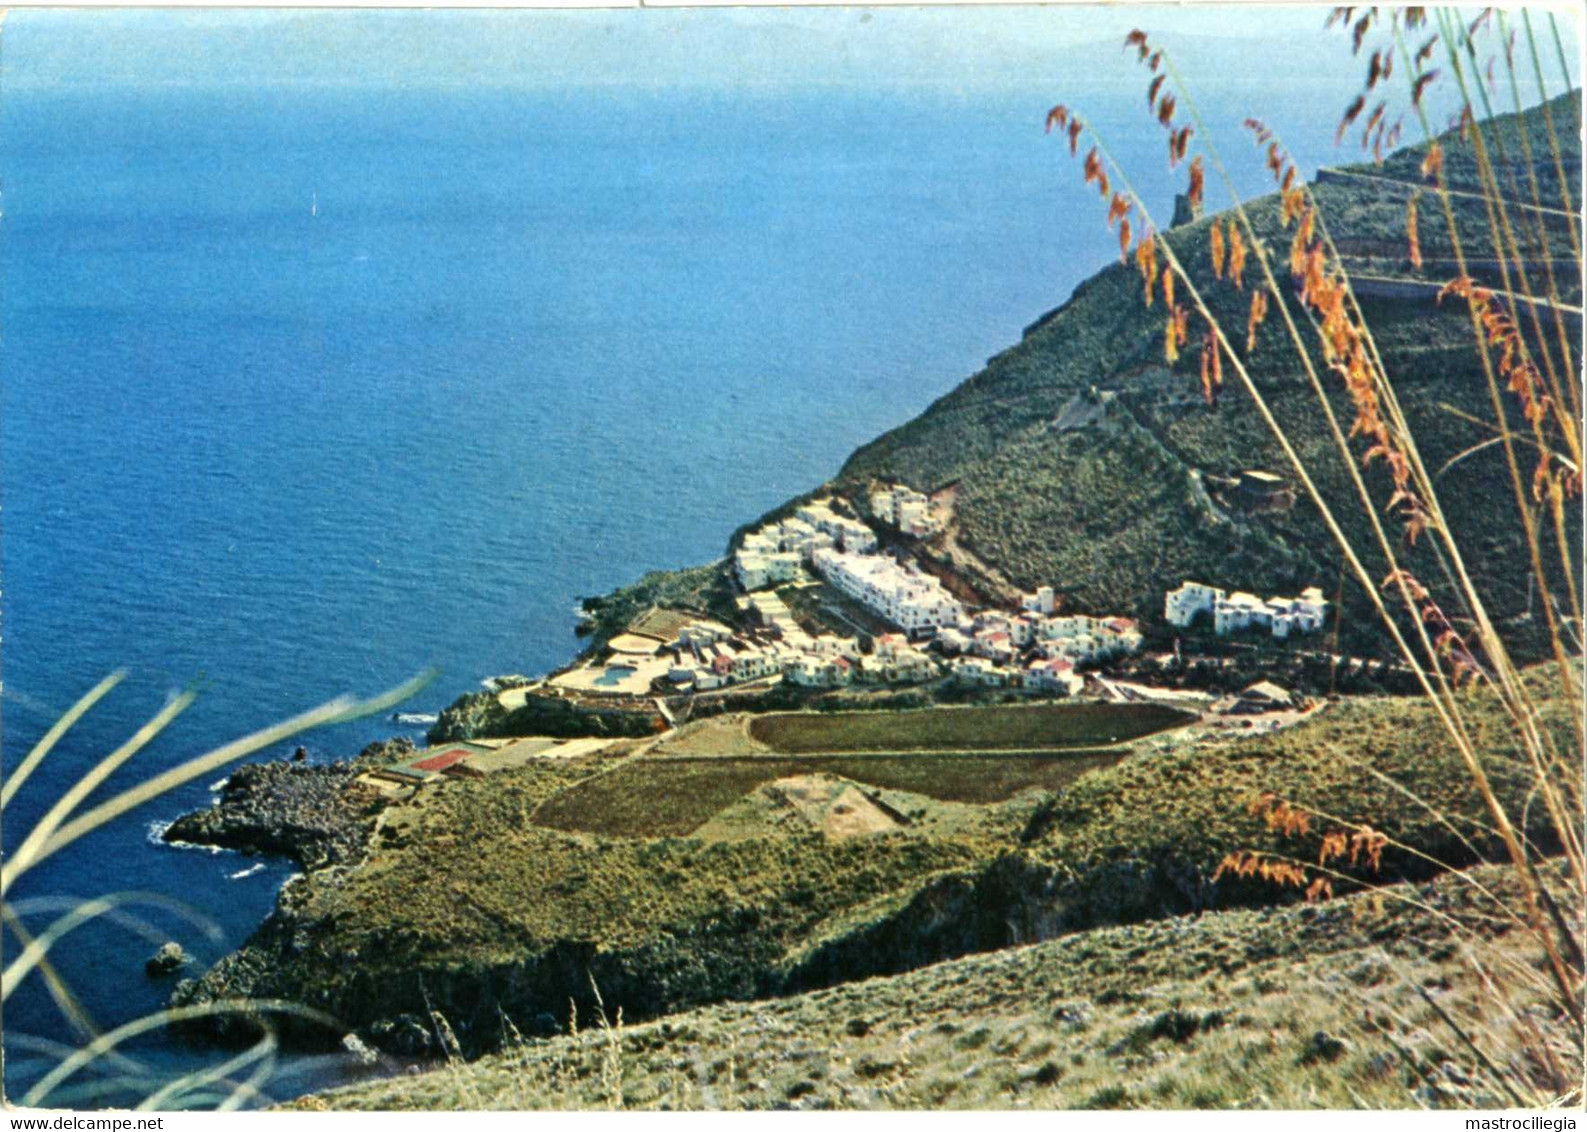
316, 815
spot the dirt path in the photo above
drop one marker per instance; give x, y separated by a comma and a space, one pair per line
972, 574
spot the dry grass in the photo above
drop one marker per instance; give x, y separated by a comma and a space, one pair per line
1294, 1008
1447, 635
96, 1067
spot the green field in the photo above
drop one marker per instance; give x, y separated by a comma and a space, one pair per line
1004, 728
672, 797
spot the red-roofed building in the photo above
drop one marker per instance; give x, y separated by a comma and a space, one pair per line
994, 644
1056, 675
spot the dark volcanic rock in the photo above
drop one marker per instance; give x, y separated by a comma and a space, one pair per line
315, 815
169, 958
384, 751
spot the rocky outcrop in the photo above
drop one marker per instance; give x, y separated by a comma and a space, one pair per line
314, 815
480, 715
168, 959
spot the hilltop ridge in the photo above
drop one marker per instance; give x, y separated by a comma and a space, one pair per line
1116, 509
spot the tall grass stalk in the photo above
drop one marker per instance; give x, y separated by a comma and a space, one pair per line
64, 822
1540, 378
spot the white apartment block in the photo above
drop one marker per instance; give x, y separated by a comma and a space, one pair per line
900, 594
853, 536
1181, 606
953, 640
981, 672
1123, 632
995, 645
754, 663
1238, 611
756, 571
830, 644
1068, 627
819, 671
1044, 600
907, 665
697, 633
906, 509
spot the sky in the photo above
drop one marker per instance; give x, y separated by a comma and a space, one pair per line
943, 47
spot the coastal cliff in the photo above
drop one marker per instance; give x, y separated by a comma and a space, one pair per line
467, 906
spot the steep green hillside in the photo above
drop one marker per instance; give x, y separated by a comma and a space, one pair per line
468, 905
1111, 505
1278, 1009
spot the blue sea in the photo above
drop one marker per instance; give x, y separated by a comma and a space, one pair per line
307, 390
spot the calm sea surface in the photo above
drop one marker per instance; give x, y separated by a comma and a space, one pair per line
306, 392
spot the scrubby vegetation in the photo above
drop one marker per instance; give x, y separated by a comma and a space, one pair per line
1117, 510
477, 912
1278, 1008
473, 906
480, 715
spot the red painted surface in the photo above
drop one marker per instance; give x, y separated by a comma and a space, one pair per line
443, 760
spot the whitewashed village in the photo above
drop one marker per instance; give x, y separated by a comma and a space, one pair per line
932, 635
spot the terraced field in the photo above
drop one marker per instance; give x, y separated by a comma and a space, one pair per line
671, 797
1004, 728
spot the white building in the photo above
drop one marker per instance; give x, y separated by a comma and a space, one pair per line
1089, 640
901, 594
756, 570
995, 645
902, 665
1181, 606
954, 640
1238, 611
980, 672
818, 671
772, 554
851, 535
1303, 614
830, 644
1044, 600
1055, 675
697, 633
1123, 633
754, 663
1067, 628
906, 509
